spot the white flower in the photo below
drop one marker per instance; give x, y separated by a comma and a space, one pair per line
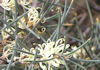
8, 4
24, 56
78, 52
32, 18
7, 50
24, 2
5, 35
23, 21
49, 50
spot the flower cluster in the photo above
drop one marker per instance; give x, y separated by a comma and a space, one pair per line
5, 35
7, 50
24, 56
49, 50
32, 19
10, 4
77, 54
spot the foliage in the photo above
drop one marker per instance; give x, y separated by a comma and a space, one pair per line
31, 37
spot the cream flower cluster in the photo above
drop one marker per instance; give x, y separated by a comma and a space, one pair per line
7, 50
10, 4
77, 54
5, 35
32, 19
46, 51
24, 56
49, 50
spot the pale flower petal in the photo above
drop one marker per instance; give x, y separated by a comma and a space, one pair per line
42, 66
